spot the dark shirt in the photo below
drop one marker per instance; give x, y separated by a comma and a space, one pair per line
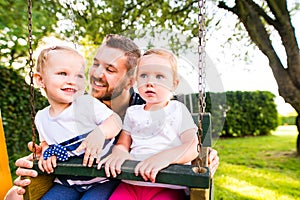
135, 98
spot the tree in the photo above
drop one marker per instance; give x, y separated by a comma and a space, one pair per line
14, 28
94, 19
87, 21
258, 20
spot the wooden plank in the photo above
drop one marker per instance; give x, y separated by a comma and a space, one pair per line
38, 186
174, 174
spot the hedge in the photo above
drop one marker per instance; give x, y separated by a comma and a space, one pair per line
246, 113
15, 111
240, 113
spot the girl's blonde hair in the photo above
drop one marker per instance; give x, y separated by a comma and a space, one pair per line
166, 54
42, 59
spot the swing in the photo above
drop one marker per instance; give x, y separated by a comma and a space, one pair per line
196, 176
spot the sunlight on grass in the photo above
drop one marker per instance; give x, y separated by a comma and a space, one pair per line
257, 184
259, 168
285, 130
245, 189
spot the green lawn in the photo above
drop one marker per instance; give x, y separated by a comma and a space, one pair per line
264, 167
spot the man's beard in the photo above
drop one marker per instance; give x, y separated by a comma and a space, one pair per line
111, 94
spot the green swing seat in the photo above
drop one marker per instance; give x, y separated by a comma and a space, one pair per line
198, 180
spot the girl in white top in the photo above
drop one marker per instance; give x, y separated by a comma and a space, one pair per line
158, 133
73, 124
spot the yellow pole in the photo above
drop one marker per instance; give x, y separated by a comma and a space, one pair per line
5, 177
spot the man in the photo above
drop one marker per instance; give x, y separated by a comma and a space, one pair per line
111, 81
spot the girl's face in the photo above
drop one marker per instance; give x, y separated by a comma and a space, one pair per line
63, 77
155, 80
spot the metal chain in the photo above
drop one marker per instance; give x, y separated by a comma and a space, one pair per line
31, 86
202, 73
72, 17
202, 54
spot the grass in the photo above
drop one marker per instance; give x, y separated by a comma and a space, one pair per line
259, 168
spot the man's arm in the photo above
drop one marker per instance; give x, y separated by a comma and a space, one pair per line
24, 165
13, 194
16, 192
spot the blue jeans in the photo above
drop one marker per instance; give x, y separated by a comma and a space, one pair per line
101, 191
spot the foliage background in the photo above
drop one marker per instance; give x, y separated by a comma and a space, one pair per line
239, 113
15, 111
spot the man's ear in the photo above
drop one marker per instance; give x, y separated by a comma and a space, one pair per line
175, 84
39, 80
130, 82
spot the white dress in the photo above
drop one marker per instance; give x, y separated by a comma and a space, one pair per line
155, 131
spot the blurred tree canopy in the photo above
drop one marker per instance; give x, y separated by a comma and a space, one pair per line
88, 21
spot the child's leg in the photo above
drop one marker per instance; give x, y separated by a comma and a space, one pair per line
169, 194
101, 191
125, 192
59, 192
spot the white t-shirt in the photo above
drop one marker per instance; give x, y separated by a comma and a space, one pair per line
155, 131
71, 126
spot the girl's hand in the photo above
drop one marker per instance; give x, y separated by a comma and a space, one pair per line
114, 161
181, 154
92, 145
150, 167
47, 165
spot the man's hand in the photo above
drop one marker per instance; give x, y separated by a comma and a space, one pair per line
213, 161
25, 165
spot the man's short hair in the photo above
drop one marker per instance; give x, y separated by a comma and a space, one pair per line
130, 49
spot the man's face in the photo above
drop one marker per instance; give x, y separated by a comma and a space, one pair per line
108, 77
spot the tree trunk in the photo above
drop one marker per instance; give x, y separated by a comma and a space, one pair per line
298, 138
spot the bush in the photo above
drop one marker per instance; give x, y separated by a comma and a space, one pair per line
15, 110
237, 113
250, 113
